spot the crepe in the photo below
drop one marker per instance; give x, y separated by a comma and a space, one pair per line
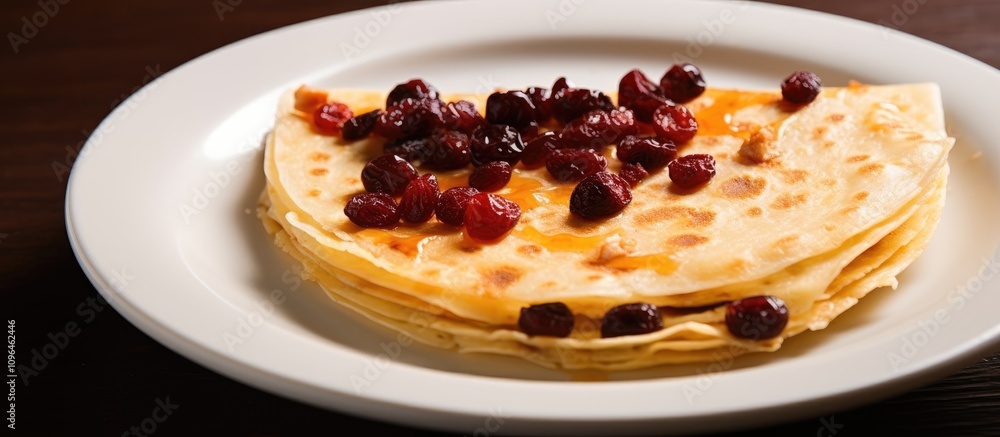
847, 193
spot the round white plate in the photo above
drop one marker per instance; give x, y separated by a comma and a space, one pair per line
160, 212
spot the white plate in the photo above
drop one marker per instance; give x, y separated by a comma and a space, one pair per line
159, 212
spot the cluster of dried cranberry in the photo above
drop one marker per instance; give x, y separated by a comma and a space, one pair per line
755, 318
565, 129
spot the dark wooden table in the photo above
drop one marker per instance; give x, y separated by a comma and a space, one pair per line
61, 80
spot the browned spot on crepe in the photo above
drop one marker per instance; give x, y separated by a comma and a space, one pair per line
319, 156
743, 187
857, 158
314, 193
687, 240
836, 117
502, 277
872, 168
861, 196
794, 176
529, 249
319, 171
693, 217
755, 211
786, 201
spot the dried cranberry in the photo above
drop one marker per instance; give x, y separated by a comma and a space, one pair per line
574, 164
800, 88
492, 142
675, 123
682, 83
512, 108
413, 89
451, 205
462, 116
560, 86
573, 103
641, 95
419, 199
631, 319
330, 117
549, 319
600, 195
491, 176
757, 317
597, 129
360, 126
537, 150
387, 174
447, 150
489, 216
410, 149
542, 99
372, 210
692, 170
529, 132
650, 152
410, 118
633, 174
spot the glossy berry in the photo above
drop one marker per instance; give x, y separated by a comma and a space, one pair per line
489, 216
329, 118
462, 116
419, 199
414, 89
542, 99
492, 142
682, 83
559, 88
410, 118
800, 88
548, 319
692, 170
447, 150
573, 103
360, 126
372, 210
631, 319
387, 174
451, 205
757, 318
633, 174
537, 150
529, 133
600, 195
574, 164
597, 128
652, 153
675, 123
410, 149
512, 108
491, 176
641, 95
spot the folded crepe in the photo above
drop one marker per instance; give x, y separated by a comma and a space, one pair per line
847, 197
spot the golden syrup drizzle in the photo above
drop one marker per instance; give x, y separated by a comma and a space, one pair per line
530, 192
561, 242
452, 179
658, 262
716, 119
409, 241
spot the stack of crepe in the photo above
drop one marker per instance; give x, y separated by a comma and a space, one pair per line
824, 204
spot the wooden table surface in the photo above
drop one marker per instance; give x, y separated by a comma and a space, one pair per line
62, 80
